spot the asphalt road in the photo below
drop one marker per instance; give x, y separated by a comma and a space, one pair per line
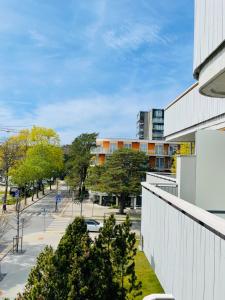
34, 218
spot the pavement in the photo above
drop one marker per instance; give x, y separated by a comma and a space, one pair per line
44, 226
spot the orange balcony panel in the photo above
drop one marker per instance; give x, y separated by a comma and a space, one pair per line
101, 159
106, 144
120, 144
151, 147
135, 145
166, 147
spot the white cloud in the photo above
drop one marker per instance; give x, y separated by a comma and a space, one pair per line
133, 36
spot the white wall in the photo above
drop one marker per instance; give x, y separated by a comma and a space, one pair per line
191, 112
210, 169
188, 258
186, 178
157, 178
209, 28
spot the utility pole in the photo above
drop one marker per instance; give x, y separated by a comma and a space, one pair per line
17, 220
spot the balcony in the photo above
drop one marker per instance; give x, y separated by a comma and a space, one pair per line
209, 55
184, 244
191, 112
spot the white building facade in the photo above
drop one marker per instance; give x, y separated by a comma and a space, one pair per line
183, 219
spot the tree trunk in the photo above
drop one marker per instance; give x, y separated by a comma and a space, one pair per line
122, 199
6, 193
37, 190
50, 185
43, 188
25, 196
32, 192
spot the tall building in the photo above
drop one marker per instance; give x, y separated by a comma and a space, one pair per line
143, 125
150, 124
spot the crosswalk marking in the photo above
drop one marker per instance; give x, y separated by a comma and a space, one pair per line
59, 224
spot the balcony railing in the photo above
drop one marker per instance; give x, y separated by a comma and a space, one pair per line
101, 150
185, 245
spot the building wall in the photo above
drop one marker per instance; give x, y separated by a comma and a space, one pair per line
186, 178
210, 170
191, 112
209, 28
188, 258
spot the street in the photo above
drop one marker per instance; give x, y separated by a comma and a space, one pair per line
43, 226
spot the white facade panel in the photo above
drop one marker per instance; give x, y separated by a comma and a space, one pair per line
188, 257
209, 28
191, 112
210, 170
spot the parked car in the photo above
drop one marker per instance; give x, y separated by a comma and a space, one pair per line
93, 225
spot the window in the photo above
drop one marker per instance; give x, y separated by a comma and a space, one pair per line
127, 146
113, 147
143, 147
158, 113
159, 149
158, 127
159, 163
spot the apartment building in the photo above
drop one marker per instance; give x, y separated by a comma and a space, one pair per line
160, 153
183, 226
150, 124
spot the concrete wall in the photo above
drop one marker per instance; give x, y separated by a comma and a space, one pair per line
186, 178
191, 112
181, 244
210, 170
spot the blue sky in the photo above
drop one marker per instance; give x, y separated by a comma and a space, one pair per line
90, 65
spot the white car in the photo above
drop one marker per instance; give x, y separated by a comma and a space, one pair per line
93, 225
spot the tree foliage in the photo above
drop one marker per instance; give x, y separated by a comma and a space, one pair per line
184, 149
29, 157
84, 269
79, 158
121, 175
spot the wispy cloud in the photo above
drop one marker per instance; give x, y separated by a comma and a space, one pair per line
39, 39
133, 36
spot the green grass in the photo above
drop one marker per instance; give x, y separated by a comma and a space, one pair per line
144, 272
10, 199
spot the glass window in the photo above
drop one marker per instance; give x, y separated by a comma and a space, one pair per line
159, 149
159, 163
113, 147
127, 145
143, 147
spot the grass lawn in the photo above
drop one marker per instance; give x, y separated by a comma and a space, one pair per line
10, 199
150, 283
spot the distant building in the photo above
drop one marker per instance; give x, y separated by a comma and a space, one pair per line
160, 153
150, 124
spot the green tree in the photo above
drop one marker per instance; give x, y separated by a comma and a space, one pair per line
122, 175
184, 149
9, 156
83, 269
78, 160
41, 282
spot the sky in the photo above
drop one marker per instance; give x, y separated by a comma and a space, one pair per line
91, 65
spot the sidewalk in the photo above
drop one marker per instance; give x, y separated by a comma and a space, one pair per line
11, 208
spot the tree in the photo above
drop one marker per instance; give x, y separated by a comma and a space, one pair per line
79, 159
184, 149
9, 157
122, 175
83, 269
41, 281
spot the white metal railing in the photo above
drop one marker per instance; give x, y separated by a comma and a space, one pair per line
184, 244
